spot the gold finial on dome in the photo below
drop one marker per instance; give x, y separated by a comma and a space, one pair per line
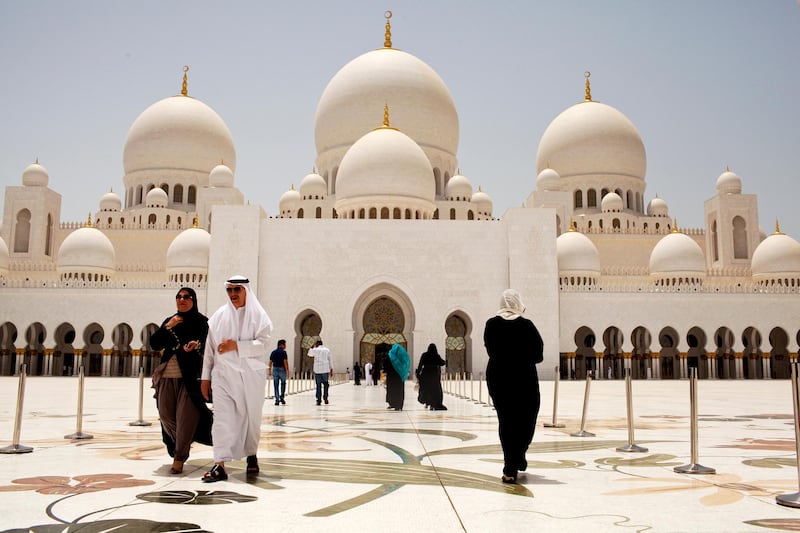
184, 87
387, 37
588, 96
195, 221
386, 116
778, 228
572, 226
89, 220
675, 226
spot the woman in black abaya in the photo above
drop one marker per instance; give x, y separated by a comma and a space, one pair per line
515, 347
429, 375
185, 417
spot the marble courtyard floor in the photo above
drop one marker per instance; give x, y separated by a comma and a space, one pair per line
353, 465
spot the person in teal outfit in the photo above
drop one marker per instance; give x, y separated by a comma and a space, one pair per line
396, 374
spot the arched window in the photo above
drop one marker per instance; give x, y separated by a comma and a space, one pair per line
739, 238
165, 188
177, 194
319, 212
48, 244
591, 198
22, 231
139, 195
714, 241
151, 219
578, 199
192, 196
452, 213
384, 212
396, 214
373, 213
470, 215
300, 213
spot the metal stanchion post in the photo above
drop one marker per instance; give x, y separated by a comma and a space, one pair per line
693, 467
583, 432
631, 447
793, 499
480, 387
555, 424
471, 388
15, 446
141, 421
79, 424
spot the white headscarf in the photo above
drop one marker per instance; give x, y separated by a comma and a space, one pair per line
224, 323
511, 305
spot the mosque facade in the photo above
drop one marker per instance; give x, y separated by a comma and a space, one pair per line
385, 242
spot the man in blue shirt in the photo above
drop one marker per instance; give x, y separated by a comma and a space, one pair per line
279, 368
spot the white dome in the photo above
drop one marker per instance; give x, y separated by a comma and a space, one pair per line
220, 176
577, 254
547, 180
110, 202
385, 165
288, 201
591, 138
458, 188
156, 197
188, 252
313, 185
421, 104
178, 133
5, 258
482, 201
657, 208
729, 183
612, 203
778, 255
86, 250
35, 175
677, 254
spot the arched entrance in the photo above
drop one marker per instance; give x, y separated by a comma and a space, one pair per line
309, 328
456, 344
383, 324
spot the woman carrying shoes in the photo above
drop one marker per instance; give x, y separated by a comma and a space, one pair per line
184, 415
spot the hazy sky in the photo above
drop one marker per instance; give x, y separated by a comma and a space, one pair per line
708, 84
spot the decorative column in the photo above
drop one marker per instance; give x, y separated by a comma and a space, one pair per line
78, 361
655, 364
570, 365
738, 365
766, 364
137, 360
712, 365
598, 365
19, 360
106, 365
48, 362
683, 364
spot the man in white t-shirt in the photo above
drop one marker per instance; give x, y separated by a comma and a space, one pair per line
368, 373
323, 367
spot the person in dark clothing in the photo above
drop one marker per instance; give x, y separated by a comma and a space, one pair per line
184, 415
396, 367
376, 371
357, 373
279, 369
429, 376
515, 347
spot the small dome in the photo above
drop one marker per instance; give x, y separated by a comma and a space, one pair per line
548, 180
110, 202
385, 165
86, 251
156, 197
220, 176
729, 183
188, 252
313, 186
612, 203
577, 255
288, 202
5, 258
777, 256
35, 175
458, 188
483, 202
677, 254
657, 208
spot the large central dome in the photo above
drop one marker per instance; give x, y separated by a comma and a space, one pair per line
590, 139
421, 104
179, 133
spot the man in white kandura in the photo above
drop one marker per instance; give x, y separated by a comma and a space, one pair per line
235, 366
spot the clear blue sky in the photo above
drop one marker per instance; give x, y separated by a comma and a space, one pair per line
708, 84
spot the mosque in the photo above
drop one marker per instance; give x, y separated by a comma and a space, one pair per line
385, 241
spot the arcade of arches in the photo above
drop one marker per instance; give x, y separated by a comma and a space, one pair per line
713, 356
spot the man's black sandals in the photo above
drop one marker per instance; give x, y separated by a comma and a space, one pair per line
252, 464
217, 473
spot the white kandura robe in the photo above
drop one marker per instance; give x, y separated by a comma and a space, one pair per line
238, 378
